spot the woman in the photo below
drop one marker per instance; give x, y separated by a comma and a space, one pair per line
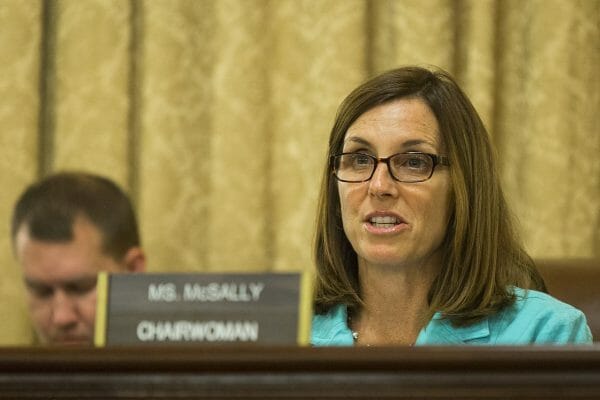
414, 241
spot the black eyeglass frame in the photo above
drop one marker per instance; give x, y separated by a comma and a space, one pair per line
435, 159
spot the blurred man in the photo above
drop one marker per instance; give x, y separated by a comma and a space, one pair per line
65, 229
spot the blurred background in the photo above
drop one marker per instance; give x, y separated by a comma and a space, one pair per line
215, 114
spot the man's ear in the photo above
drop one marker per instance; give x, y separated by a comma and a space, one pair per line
135, 260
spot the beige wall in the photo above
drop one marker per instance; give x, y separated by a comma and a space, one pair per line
215, 115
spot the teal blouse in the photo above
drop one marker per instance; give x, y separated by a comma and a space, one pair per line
534, 318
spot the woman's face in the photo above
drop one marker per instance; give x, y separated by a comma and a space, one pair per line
391, 223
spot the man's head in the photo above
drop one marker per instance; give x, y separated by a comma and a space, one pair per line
65, 229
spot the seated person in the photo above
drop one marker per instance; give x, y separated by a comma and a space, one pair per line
65, 229
414, 241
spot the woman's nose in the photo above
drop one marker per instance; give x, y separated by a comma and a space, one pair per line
382, 183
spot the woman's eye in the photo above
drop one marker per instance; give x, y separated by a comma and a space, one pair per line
360, 160
414, 162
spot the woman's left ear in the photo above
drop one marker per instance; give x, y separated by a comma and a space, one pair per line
135, 260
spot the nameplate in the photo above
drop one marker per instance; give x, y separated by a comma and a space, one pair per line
203, 308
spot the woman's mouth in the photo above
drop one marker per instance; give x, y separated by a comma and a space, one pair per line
384, 222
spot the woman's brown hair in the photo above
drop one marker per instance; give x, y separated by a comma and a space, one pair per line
483, 257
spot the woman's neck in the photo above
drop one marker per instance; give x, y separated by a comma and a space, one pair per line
395, 304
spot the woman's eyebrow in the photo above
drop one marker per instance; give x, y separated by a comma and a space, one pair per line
417, 142
356, 139
408, 143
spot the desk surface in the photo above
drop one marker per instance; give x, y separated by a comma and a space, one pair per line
301, 373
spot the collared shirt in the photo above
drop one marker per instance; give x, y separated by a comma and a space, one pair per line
534, 318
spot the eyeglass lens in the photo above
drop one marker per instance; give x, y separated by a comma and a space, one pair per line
405, 167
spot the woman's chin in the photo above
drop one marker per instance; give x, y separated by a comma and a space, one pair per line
384, 258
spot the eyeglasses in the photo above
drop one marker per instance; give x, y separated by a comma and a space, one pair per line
408, 167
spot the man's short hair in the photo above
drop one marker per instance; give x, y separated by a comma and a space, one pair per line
50, 206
